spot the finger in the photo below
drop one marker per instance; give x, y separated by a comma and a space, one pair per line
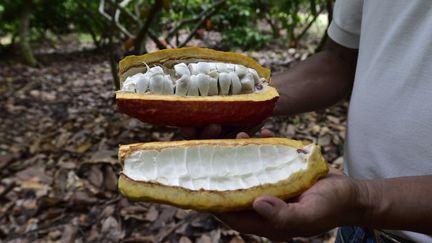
336, 172
242, 135
188, 132
211, 131
232, 132
275, 210
267, 206
265, 133
252, 130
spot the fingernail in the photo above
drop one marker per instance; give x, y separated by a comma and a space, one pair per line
263, 207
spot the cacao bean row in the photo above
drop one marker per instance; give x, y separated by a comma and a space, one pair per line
196, 79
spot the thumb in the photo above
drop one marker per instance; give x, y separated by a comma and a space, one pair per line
269, 207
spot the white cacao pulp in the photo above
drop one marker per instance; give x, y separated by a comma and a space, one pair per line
196, 79
217, 168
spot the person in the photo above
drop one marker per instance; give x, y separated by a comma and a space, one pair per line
381, 51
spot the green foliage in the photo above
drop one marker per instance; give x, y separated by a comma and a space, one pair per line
240, 22
246, 38
180, 10
238, 26
8, 22
288, 12
57, 16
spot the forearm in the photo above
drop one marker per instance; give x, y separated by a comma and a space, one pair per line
318, 82
403, 203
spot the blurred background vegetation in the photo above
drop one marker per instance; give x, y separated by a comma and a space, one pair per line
123, 27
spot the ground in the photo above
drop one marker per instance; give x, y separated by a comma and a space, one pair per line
59, 136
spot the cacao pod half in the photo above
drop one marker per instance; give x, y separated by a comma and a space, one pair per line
218, 175
195, 87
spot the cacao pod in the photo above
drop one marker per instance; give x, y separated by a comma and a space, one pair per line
218, 175
195, 87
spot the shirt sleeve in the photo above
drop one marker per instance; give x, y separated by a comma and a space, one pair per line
346, 25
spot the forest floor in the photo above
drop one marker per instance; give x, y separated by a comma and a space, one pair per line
60, 132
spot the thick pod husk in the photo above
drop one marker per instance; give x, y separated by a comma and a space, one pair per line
220, 201
129, 63
185, 111
172, 110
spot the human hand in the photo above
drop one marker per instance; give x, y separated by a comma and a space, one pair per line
264, 133
217, 131
329, 203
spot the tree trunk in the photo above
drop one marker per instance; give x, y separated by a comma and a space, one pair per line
329, 7
140, 38
26, 50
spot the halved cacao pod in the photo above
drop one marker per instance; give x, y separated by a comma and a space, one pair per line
218, 175
175, 110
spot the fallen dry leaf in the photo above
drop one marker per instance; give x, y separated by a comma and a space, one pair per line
70, 231
95, 176
152, 214
204, 239
184, 239
111, 229
110, 178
